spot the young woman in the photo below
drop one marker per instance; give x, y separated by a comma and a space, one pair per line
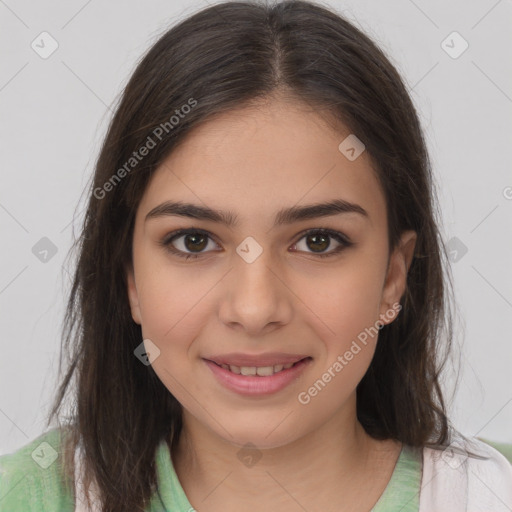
259, 316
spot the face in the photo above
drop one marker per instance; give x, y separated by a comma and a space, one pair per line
268, 289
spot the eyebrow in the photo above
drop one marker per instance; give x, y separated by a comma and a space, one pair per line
283, 216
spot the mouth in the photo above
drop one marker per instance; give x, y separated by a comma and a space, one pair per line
249, 378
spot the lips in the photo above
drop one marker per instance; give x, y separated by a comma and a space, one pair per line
252, 381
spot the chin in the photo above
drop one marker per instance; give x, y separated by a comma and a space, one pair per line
263, 435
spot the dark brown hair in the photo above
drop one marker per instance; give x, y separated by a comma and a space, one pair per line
225, 57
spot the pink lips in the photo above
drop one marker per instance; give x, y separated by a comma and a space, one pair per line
249, 385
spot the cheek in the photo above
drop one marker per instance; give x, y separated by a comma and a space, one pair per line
346, 307
345, 301
346, 326
173, 316
175, 304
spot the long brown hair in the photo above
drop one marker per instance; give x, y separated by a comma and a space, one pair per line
217, 60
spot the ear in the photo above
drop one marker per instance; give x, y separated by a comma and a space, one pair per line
396, 278
133, 295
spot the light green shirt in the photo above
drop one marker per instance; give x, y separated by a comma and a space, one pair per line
31, 479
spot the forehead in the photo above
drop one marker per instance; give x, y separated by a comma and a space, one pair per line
256, 159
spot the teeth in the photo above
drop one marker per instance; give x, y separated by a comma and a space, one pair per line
262, 371
265, 371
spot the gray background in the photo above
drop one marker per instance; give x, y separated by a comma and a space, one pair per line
54, 113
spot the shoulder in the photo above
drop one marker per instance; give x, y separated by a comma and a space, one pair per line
468, 471
32, 477
490, 478
480, 456
504, 448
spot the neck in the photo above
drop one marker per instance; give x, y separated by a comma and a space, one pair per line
336, 455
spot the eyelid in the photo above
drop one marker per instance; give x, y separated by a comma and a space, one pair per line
328, 231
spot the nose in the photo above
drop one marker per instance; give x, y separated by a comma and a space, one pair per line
255, 296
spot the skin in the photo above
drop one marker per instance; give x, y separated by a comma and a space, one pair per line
253, 162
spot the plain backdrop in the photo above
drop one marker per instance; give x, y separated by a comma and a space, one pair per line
55, 110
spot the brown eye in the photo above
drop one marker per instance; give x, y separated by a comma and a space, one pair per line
195, 242
187, 243
318, 240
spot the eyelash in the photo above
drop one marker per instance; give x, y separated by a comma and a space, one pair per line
339, 237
